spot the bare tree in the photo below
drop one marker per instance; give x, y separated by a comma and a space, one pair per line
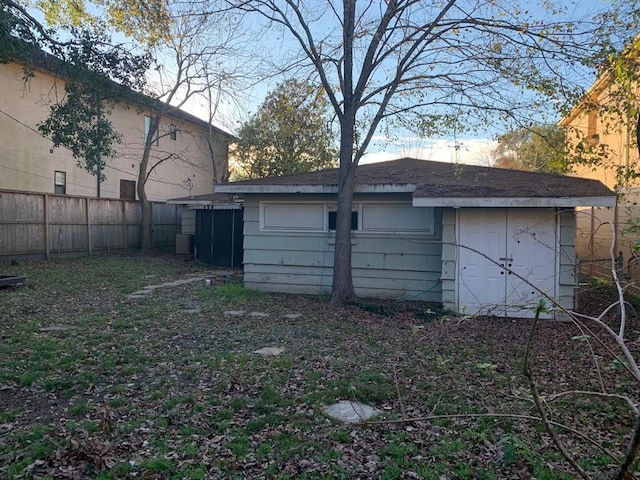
433, 66
203, 58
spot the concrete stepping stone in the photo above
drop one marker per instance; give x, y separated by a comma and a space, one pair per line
350, 412
270, 351
292, 316
176, 283
140, 294
234, 313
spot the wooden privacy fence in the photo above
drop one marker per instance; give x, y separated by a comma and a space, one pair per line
36, 225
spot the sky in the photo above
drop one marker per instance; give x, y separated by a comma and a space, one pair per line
473, 151
468, 149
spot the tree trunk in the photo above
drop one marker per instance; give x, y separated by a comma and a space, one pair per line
145, 211
342, 290
145, 206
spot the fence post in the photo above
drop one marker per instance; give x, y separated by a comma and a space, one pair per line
88, 226
175, 213
124, 224
45, 210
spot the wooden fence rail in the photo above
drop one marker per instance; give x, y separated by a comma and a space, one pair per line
41, 225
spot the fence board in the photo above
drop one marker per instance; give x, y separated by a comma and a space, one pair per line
77, 225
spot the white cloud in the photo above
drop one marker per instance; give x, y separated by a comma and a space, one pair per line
474, 151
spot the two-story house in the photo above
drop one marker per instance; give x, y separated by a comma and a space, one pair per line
603, 133
188, 157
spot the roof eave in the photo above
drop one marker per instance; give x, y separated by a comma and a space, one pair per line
331, 189
216, 206
567, 202
188, 202
602, 82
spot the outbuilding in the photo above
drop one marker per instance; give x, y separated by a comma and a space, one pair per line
477, 240
211, 229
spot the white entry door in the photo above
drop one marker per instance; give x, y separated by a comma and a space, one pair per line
507, 257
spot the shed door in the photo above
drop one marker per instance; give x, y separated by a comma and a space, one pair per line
219, 237
522, 240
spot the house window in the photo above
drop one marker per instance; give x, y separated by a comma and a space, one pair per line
332, 219
127, 190
173, 132
147, 128
322, 217
397, 218
60, 182
592, 128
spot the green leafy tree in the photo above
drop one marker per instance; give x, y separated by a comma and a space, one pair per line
94, 81
612, 104
290, 133
539, 148
96, 74
149, 22
81, 124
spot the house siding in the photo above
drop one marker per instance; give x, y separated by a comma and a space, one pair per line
567, 281
188, 221
449, 259
28, 160
616, 135
385, 265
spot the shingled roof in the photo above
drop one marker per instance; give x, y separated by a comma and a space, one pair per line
443, 184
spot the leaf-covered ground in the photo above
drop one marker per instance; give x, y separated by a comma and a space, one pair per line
96, 384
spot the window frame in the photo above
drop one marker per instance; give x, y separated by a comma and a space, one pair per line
147, 127
264, 227
592, 127
131, 186
430, 230
358, 208
355, 209
56, 183
173, 132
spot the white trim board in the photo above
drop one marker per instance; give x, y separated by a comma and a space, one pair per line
546, 202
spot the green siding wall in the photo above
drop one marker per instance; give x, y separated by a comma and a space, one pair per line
449, 256
567, 269
188, 221
385, 265
415, 266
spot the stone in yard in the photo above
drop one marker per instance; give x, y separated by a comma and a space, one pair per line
350, 412
234, 313
270, 351
140, 294
150, 288
258, 314
292, 316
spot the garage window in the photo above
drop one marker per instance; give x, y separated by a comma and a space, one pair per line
294, 217
397, 218
321, 217
332, 218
